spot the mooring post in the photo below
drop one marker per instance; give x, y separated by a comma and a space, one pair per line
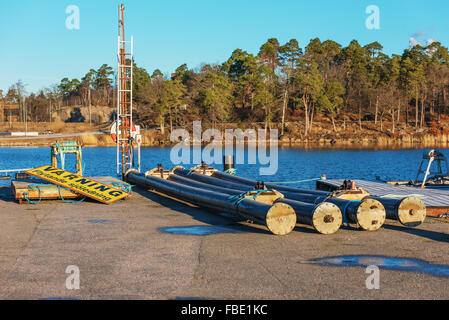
228, 163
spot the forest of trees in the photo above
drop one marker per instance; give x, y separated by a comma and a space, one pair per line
283, 82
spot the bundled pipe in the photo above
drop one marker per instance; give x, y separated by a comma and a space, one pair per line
279, 218
409, 211
325, 218
249, 182
369, 214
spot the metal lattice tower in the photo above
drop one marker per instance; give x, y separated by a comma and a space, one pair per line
124, 98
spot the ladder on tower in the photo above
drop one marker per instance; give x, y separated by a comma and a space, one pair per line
124, 99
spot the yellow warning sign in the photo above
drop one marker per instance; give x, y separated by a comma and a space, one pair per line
85, 186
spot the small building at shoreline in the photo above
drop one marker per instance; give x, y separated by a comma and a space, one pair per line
9, 112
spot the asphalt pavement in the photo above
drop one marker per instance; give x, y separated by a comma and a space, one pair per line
150, 247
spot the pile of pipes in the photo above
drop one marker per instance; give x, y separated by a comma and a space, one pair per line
279, 208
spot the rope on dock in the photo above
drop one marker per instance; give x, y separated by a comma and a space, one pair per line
33, 187
192, 170
231, 171
236, 199
69, 201
124, 187
38, 188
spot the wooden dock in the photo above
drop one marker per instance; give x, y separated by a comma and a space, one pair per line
436, 201
35, 189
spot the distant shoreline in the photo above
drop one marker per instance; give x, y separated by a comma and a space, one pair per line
151, 140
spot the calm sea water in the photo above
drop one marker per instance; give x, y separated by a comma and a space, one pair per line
294, 164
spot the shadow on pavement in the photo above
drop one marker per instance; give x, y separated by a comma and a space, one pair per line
220, 219
432, 235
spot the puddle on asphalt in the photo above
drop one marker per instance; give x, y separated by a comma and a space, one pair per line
99, 221
198, 230
389, 263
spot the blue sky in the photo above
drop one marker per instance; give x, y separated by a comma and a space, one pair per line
38, 48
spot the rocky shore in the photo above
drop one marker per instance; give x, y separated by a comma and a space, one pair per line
154, 138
